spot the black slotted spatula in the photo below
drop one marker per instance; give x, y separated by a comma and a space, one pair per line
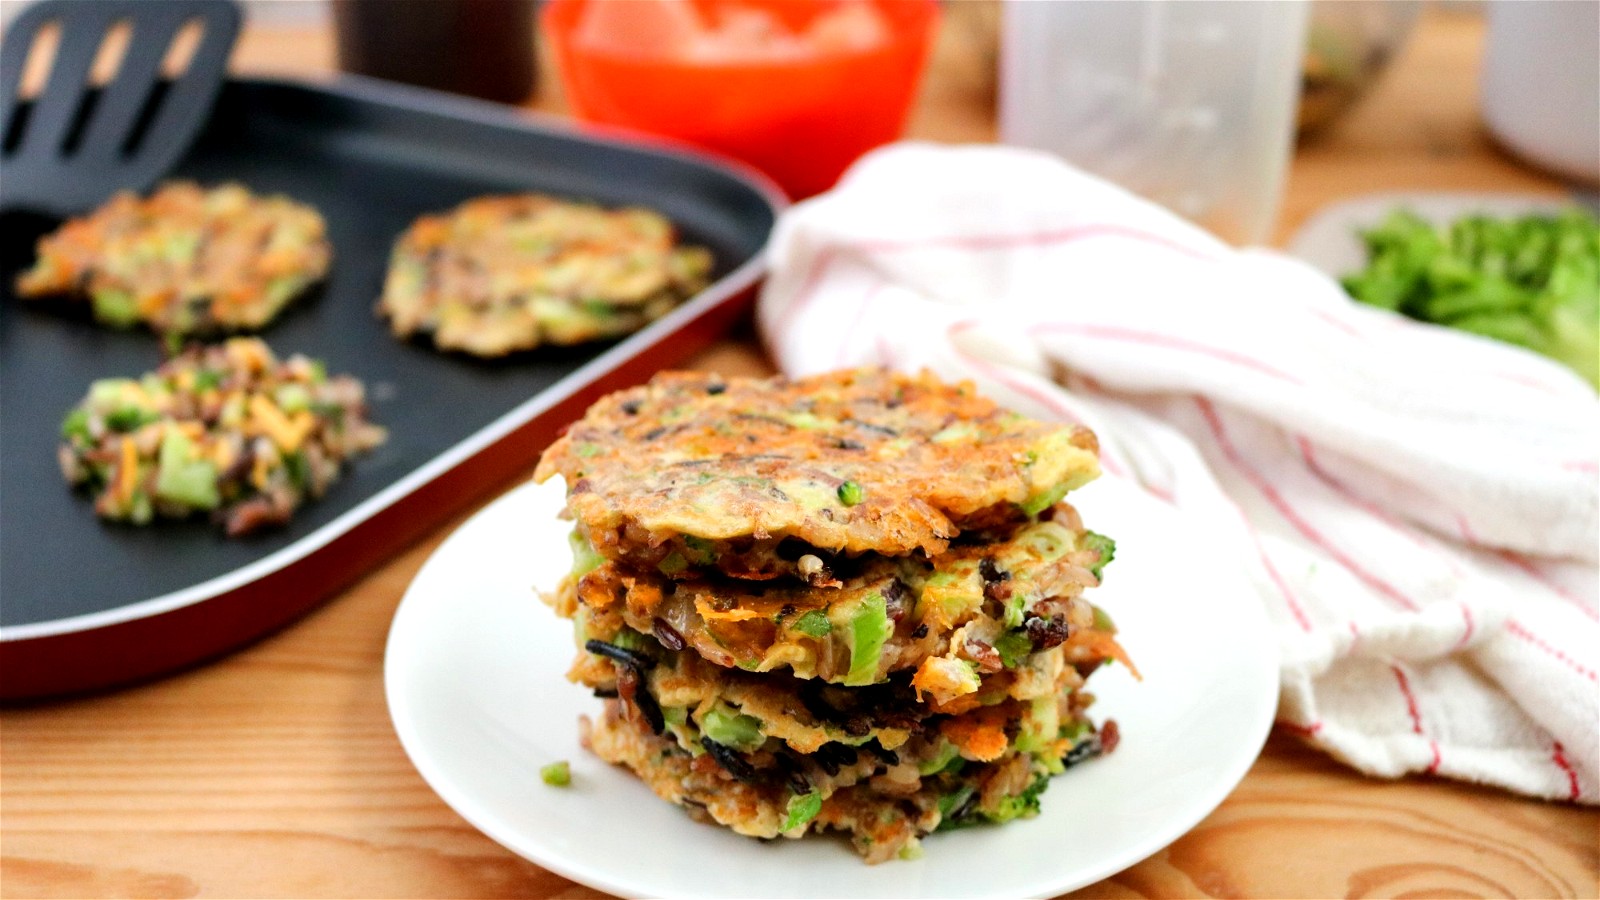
74, 144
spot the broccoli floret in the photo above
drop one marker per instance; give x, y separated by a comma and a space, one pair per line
1099, 543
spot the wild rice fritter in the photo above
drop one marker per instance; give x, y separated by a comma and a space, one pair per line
874, 762
501, 274
760, 478
226, 429
185, 259
986, 602
807, 713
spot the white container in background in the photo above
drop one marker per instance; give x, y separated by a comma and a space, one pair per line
1190, 103
1541, 83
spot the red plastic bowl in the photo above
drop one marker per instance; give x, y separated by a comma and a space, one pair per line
802, 121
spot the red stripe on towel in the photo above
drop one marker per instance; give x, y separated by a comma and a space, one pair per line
1416, 716
1167, 341
1521, 631
1270, 492
1559, 755
1555, 587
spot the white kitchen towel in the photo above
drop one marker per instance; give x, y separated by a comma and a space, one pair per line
1417, 507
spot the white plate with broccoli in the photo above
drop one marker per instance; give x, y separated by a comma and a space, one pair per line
475, 682
1523, 269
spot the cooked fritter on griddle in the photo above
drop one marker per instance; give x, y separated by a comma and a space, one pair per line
986, 603
761, 478
226, 429
501, 274
185, 259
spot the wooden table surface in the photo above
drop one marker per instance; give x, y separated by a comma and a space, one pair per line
275, 772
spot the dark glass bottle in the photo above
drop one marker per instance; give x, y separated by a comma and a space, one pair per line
482, 48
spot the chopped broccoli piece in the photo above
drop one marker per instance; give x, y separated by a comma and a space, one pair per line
1045, 499
952, 803
947, 752
869, 629
76, 424
181, 478
732, 729
673, 564
114, 307
584, 557
1020, 806
1099, 543
129, 418
1013, 647
814, 622
802, 809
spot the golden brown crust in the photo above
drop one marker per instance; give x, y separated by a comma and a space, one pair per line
848, 462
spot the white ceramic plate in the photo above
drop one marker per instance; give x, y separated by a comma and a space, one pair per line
475, 684
1328, 239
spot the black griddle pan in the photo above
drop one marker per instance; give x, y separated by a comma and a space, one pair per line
86, 604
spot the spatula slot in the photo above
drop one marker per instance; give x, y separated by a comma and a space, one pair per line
141, 122
184, 46
40, 59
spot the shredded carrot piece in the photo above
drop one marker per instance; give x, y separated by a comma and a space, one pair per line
980, 736
259, 470
1106, 646
732, 615
286, 433
127, 470
222, 455
957, 705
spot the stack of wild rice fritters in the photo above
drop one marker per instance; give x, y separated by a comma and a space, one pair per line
847, 602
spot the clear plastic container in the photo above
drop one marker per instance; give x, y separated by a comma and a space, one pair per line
1188, 102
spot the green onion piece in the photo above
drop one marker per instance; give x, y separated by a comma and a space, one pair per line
557, 774
850, 493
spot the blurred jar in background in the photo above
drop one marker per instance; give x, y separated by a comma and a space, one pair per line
1348, 45
481, 48
797, 88
1191, 104
1541, 84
